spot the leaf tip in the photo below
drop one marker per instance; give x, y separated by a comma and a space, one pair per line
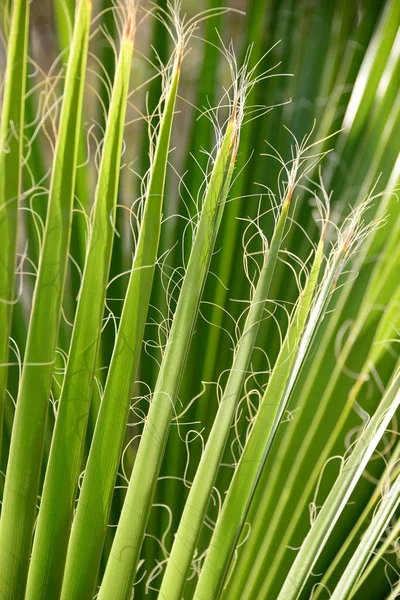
324, 230
130, 26
179, 53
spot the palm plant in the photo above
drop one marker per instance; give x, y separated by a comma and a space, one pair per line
199, 285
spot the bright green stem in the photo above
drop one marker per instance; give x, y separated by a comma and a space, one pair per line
196, 505
385, 331
379, 290
124, 556
389, 541
60, 487
11, 146
390, 474
340, 493
368, 543
273, 404
22, 479
90, 525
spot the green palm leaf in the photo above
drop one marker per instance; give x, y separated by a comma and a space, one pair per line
199, 331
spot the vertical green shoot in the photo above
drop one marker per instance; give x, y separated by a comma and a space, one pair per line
64, 466
121, 567
11, 147
234, 509
191, 521
90, 525
22, 478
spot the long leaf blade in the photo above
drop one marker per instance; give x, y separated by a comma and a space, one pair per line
234, 509
11, 146
192, 518
89, 529
121, 568
22, 478
58, 497
340, 493
370, 539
